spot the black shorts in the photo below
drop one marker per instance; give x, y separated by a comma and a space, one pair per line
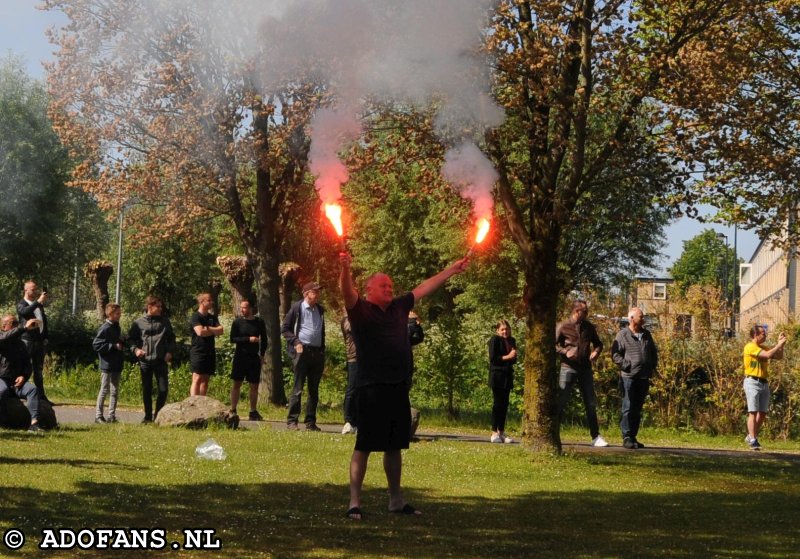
246, 368
384, 417
203, 364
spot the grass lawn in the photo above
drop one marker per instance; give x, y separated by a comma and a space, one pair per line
283, 494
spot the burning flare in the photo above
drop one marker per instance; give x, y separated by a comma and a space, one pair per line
483, 230
334, 213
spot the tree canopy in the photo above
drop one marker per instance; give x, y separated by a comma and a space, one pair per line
706, 260
46, 229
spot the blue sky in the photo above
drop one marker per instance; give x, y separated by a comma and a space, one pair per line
22, 32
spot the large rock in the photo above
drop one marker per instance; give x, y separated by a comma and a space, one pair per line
197, 412
15, 415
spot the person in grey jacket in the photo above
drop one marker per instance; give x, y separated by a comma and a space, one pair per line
636, 354
152, 341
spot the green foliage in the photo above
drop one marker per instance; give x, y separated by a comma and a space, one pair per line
447, 368
46, 228
174, 269
704, 261
70, 340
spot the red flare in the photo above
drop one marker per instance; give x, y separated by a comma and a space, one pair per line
334, 213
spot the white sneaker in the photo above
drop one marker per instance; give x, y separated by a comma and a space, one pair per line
505, 439
496, 439
347, 429
747, 438
599, 441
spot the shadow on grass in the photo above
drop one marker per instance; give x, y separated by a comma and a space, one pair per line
306, 520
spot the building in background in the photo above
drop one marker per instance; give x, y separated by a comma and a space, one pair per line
769, 288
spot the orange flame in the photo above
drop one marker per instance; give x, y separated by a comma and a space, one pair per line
483, 230
334, 213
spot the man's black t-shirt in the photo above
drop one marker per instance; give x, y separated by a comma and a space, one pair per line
381, 338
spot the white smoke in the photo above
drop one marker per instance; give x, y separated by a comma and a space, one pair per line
408, 51
470, 170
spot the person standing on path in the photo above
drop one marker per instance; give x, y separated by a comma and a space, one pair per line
756, 386
578, 346
152, 341
203, 354
109, 347
635, 353
502, 357
249, 335
304, 330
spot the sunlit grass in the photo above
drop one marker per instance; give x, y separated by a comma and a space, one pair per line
283, 494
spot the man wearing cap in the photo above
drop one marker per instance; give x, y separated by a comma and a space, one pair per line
304, 330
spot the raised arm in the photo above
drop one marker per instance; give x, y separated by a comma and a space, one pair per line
349, 292
435, 282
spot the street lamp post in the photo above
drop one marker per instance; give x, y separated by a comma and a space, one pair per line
119, 256
734, 292
725, 282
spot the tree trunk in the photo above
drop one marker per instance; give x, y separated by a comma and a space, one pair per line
214, 289
290, 273
240, 277
267, 282
540, 419
98, 272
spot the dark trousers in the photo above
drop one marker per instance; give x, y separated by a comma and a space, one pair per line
160, 371
27, 391
349, 394
500, 408
567, 379
307, 366
634, 391
37, 351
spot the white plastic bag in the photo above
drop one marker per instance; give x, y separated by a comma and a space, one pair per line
210, 450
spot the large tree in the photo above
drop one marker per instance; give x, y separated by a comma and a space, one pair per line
706, 260
557, 65
734, 117
46, 229
168, 114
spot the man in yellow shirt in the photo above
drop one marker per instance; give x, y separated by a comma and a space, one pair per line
756, 387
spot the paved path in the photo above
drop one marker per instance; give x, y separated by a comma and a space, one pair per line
85, 415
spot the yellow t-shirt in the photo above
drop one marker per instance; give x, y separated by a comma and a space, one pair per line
753, 367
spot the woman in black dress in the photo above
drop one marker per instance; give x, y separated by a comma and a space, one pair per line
502, 356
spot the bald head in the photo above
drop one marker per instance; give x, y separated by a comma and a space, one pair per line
380, 289
636, 318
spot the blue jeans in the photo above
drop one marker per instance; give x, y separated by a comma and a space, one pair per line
634, 391
27, 391
566, 381
349, 394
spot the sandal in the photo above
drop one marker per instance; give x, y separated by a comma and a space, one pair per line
407, 509
354, 513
